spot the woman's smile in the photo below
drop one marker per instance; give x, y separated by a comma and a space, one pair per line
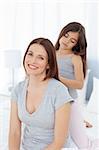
32, 66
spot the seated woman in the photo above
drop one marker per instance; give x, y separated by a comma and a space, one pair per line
40, 102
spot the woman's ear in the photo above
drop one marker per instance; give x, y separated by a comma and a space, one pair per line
47, 66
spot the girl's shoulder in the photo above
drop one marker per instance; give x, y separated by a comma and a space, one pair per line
76, 58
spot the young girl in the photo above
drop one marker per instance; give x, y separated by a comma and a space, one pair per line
71, 57
40, 102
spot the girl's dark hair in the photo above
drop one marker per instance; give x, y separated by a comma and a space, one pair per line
81, 46
52, 72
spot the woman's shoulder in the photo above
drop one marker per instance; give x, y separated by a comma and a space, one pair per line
20, 85
60, 94
18, 90
57, 84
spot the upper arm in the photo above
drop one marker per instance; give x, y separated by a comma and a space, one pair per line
62, 117
78, 68
15, 123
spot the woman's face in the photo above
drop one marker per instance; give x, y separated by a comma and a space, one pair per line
69, 40
36, 60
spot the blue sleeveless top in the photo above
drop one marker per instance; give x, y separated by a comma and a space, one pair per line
66, 70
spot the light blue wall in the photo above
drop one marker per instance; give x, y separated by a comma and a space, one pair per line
94, 72
92, 16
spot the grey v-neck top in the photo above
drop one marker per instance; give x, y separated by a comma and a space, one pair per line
39, 126
66, 70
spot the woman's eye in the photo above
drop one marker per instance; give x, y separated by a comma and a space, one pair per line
30, 54
41, 58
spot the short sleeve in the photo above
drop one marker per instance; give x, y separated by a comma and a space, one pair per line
14, 94
62, 96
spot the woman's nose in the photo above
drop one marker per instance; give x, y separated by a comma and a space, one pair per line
33, 60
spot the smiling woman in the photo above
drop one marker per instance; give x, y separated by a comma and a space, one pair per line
36, 60
44, 112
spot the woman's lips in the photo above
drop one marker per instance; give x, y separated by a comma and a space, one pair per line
32, 66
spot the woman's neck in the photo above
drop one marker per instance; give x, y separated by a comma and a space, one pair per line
36, 82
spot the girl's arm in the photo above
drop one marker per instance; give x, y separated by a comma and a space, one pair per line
15, 128
77, 83
62, 118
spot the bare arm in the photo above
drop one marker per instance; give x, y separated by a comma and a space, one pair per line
62, 118
77, 83
15, 128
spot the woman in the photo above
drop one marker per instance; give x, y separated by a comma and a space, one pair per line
40, 102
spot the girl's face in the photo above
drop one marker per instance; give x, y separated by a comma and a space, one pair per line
36, 60
69, 40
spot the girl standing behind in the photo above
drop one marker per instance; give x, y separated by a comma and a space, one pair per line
71, 57
71, 48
